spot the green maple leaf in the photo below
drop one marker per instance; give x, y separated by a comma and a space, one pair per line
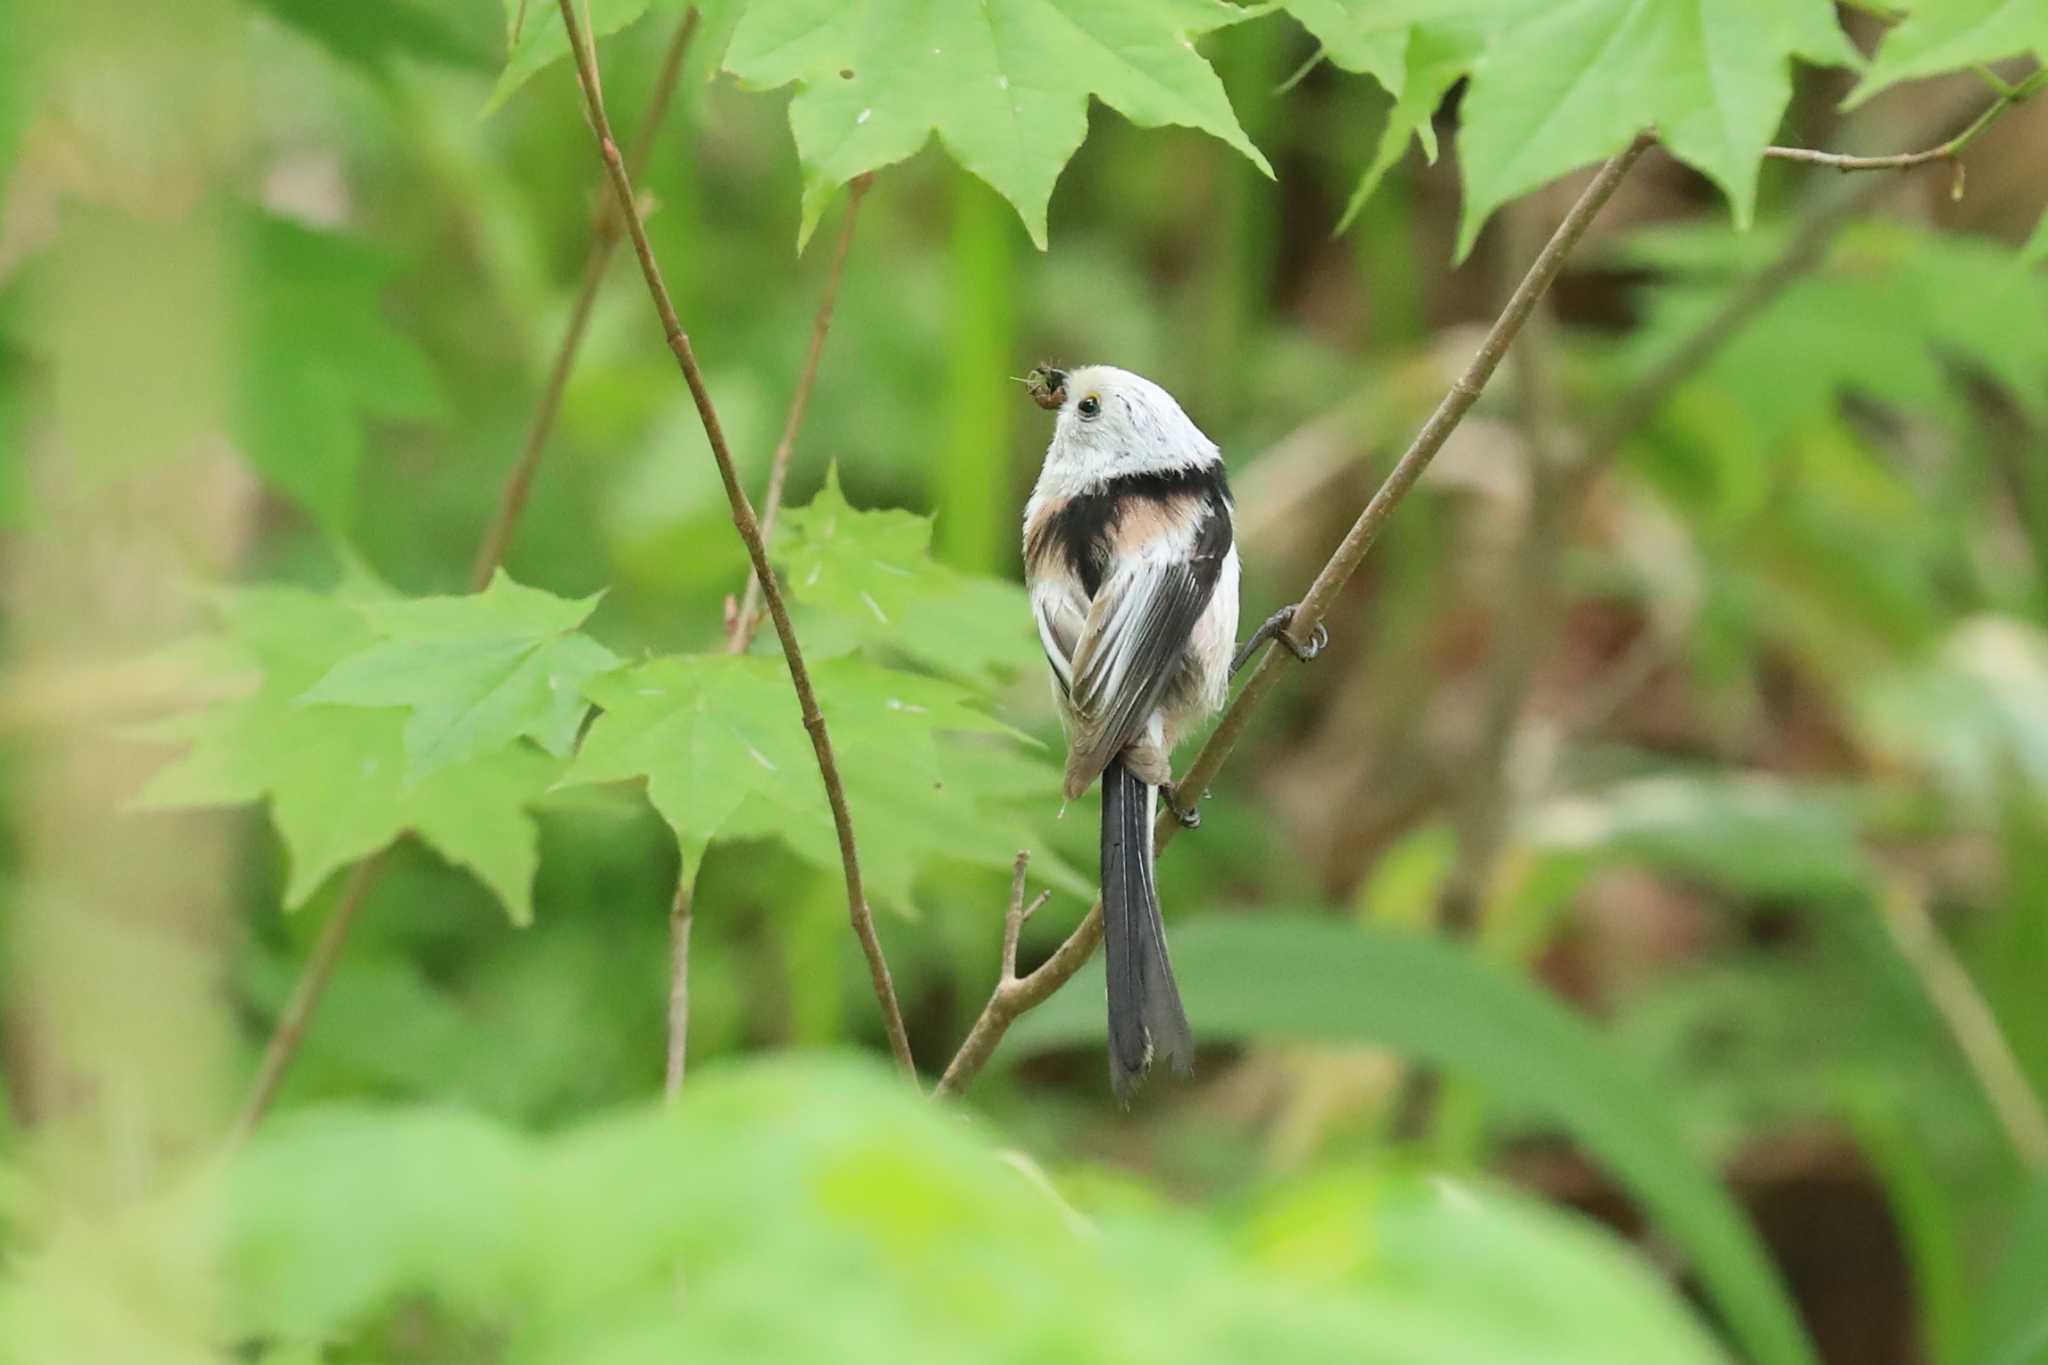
335, 776
1003, 83
874, 572
1415, 49
478, 672
707, 732
321, 359
1562, 85
542, 41
719, 741
1946, 35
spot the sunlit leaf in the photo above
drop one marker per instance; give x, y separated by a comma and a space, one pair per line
1276, 976
335, 776
477, 672
1004, 84
1563, 85
1948, 35
874, 572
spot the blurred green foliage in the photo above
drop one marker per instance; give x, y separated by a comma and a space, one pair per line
1795, 675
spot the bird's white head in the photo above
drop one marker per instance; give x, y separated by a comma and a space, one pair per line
1113, 423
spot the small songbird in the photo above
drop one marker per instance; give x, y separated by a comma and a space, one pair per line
1132, 568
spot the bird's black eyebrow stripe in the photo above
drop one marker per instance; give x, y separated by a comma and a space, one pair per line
1080, 530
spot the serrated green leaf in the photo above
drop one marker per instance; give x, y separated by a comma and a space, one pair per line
478, 673
321, 359
1947, 35
335, 776
1004, 84
1275, 976
874, 572
724, 753
542, 41
1562, 85
1433, 60
373, 32
707, 732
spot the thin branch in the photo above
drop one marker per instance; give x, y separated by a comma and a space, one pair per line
2008, 96
1971, 1022
747, 619
750, 532
1011, 999
306, 995
290, 1031
518, 486
679, 981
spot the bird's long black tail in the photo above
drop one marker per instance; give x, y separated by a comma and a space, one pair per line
1146, 1021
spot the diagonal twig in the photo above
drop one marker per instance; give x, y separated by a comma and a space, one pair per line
747, 619
1005, 1005
750, 532
311, 987
1948, 150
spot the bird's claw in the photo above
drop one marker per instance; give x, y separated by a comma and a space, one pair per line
1188, 815
1276, 627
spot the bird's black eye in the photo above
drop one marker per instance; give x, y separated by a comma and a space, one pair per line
1089, 406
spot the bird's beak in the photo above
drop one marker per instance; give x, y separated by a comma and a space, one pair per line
1047, 386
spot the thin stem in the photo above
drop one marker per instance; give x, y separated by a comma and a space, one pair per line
1970, 1022
750, 532
679, 981
747, 619
283, 1046
1011, 999
518, 486
306, 995
2009, 95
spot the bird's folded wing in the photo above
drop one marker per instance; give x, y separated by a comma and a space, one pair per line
1131, 648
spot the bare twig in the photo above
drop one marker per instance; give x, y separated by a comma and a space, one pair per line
518, 484
679, 981
306, 995
512, 499
747, 619
750, 532
1949, 150
1970, 1021
1015, 998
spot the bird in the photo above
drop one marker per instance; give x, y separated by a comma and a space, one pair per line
1132, 569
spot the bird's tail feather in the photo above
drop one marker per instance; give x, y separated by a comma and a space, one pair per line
1146, 1020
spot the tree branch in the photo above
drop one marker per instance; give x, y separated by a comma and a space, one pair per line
1015, 998
2008, 96
290, 1031
604, 241
750, 532
283, 1047
747, 619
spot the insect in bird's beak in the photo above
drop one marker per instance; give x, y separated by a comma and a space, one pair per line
1047, 385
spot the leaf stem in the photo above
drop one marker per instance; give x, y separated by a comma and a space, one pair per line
2008, 96
679, 981
290, 1031
750, 532
1013, 998
307, 993
747, 619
